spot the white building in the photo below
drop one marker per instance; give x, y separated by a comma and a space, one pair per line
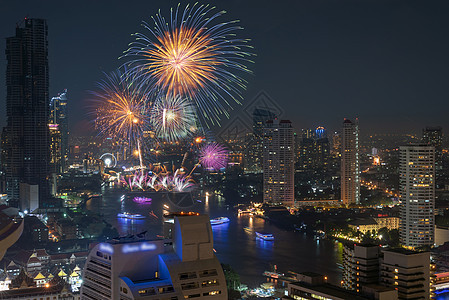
350, 163
183, 268
278, 162
417, 188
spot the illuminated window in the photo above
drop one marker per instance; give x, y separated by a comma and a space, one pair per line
212, 293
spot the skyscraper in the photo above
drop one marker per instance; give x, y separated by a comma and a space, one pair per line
255, 156
26, 132
58, 116
434, 136
417, 190
314, 149
278, 162
350, 164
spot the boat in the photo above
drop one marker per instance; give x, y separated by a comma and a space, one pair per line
142, 200
265, 236
127, 215
218, 221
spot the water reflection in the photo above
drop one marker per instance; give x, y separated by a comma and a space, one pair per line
250, 257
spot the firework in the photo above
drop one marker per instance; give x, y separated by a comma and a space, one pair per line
193, 54
145, 181
121, 110
213, 156
173, 118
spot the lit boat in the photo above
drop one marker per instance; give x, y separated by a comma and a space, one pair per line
265, 236
127, 215
218, 221
142, 200
272, 274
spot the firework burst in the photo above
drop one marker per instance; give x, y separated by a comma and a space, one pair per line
121, 109
213, 156
193, 54
173, 118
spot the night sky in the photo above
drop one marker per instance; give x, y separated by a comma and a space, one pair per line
386, 62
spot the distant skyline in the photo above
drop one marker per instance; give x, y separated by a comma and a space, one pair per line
385, 62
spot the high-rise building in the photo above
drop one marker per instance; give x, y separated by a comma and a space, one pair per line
350, 164
58, 116
360, 266
55, 148
417, 190
314, 149
433, 136
255, 154
133, 268
408, 272
26, 133
278, 163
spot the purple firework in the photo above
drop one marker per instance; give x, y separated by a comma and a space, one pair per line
213, 156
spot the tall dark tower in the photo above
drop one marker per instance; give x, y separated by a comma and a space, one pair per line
255, 155
350, 163
26, 136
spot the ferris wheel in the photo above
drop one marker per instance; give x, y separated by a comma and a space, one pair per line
109, 160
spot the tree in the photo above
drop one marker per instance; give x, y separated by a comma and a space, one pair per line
232, 281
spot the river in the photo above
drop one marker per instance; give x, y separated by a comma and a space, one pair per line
291, 251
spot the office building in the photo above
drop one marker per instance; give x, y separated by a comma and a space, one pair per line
408, 272
314, 286
278, 163
314, 149
26, 134
433, 136
182, 268
254, 161
417, 191
350, 163
58, 118
360, 266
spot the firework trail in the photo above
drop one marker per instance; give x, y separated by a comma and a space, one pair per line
173, 118
213, 156
193, 54
121, 109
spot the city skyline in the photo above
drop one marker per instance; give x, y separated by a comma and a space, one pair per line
370, 69
157, 195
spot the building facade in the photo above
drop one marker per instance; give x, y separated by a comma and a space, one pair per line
433, 136
182, 268
278, 163
26, 134
314, 150
60, 142
408, 272
254, 157
360, 266
417, 191
350, 163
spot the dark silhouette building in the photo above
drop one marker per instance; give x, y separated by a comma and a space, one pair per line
314, 149
350, 163
255, 155
26, 135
